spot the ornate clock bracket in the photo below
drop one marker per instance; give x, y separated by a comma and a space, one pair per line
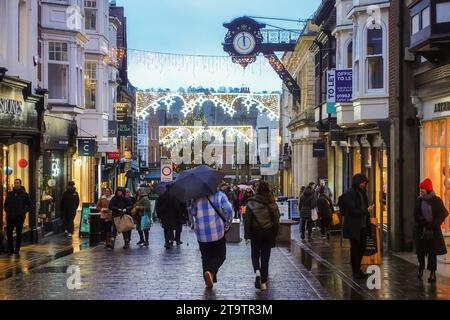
288, 80
267, 42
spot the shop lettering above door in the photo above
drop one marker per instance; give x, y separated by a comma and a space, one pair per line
10, 106
442, 107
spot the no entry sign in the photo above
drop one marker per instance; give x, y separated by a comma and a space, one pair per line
166, 170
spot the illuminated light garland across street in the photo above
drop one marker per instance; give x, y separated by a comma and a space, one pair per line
268, 104
170, 136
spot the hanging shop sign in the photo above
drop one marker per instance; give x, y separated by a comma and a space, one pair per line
112, 129
114, 155
122, 111
125, 128
86, 147
166, 170
319, 150
56, 136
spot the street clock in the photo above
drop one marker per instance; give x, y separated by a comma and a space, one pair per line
244, 43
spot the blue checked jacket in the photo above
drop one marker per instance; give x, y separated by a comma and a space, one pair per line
209, 227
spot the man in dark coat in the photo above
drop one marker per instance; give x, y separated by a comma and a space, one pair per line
169, 212
120, 205
429, 214
69, 204
354, 207
17, 204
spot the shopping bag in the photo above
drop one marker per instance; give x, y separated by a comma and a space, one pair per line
335, 219
145, 223
124, 223
314, 215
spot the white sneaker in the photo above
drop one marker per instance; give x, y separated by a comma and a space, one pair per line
66, 232
69, 235
263, 287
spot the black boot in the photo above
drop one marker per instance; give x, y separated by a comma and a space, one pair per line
432, 277
420, 274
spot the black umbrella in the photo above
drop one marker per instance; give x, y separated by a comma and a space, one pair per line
195, 183
161, 187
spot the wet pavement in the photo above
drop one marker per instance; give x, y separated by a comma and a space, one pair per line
306, 270
159, 274
35, 255
329, 263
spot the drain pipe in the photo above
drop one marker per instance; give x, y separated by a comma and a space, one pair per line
400, 99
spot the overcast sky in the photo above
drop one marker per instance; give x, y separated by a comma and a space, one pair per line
195, 27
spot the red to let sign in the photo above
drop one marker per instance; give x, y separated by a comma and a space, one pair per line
114, 155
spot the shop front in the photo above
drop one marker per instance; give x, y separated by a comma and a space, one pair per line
57, 170
20, 116
435, 151
367, 153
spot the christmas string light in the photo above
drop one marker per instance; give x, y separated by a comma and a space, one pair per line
268, 104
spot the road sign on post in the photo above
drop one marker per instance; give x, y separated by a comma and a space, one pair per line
166, 170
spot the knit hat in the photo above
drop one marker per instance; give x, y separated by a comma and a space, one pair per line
426, 185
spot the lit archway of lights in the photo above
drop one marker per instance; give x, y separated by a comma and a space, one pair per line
170, 136
149, 102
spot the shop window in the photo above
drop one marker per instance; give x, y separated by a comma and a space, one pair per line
15, 163
375, 58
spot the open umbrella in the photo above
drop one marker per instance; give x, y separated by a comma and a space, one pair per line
195, 183
161, 188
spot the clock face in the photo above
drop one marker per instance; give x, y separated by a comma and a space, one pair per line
244, 43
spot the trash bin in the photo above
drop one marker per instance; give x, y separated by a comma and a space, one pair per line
95, 227
234, 235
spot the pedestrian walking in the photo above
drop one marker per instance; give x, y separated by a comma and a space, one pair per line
261, 222
325, 210
213, 215
69, 205
305, 208
120, 205
143, 216
355, 209
17, 204
168, 209
106, 216
429, 215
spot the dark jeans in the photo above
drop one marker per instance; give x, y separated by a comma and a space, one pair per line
357, 251
213, 256
432, 262
324, 226
142, 234
11, 224
306, 224
170, 236
262, 242
127, 236
69, 218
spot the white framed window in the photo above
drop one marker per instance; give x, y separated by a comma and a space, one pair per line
420, 21
350, 54
58, 69
90, 76
375, 61
90, 14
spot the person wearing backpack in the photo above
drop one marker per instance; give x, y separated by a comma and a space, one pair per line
325, 210
261, 224
306, 204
